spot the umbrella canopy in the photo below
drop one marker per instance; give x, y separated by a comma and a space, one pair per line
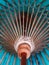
20, 20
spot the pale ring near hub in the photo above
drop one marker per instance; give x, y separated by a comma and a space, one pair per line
24, 44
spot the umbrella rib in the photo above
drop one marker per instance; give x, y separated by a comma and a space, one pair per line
9, 21
23, 20
4, 36
4, 43
34, 20
5, 28
15, 15
14, 62
31, 18
20, 20
12, 21
43, 32
37, 21
39, 28
8, 60
27, 17
42, 39
3, 57
7, 25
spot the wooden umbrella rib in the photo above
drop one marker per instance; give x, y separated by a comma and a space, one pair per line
43, 32
27, 17
7, 25
38, 29
31, 18
9, 20
38, 20
3, 57
34, 21
39, 39
4, 27
20, 20
5, 32
8, 60
12, 20
15, 15
23, 20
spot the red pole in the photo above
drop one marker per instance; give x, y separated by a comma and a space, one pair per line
23, 59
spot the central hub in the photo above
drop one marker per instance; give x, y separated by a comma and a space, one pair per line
24, 49
24, 45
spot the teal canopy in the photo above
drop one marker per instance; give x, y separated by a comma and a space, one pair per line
41, 58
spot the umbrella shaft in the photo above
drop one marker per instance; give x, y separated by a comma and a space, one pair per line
23, 59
